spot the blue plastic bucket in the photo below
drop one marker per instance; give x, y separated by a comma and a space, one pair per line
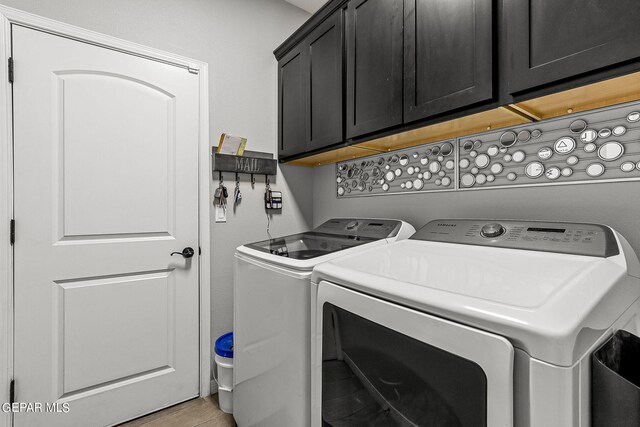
224, 362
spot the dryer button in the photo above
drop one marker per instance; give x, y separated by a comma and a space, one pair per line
492, 230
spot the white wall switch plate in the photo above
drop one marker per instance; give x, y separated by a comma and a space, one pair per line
220, 213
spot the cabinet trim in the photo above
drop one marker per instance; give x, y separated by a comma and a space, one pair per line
305, 29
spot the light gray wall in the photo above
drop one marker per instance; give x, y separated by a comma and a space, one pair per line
244, 103
615, 204
236, 38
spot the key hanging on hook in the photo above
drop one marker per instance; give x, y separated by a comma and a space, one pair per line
221, 194
237, 195
267, 198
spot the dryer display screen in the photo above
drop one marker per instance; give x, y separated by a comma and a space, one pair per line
546, 230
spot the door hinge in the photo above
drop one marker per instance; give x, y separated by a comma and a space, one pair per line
199, 251
10, 70
192, 70
12, 231
12, 392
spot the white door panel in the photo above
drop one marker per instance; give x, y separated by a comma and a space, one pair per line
97, 342
106, 187
92, 149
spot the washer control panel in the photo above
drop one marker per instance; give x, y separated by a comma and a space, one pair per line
560, 237
372, 228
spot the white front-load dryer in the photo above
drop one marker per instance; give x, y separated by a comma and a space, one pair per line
273, 310
471, 322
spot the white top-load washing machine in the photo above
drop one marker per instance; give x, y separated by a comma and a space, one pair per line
272, 315
471, 323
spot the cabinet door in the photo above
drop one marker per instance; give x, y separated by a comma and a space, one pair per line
325, 86
374, 65
550, 40
325, 66
292, 102
448, 55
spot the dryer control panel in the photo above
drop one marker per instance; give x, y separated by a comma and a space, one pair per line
560, 237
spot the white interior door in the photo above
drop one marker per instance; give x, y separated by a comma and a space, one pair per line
106, 187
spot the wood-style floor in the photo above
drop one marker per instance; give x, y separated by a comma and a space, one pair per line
201, 412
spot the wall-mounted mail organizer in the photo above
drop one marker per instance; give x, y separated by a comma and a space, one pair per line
599, 146
251, 162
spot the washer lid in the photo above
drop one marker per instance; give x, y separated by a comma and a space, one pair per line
332, 236
541, 301
308, 245
336, 237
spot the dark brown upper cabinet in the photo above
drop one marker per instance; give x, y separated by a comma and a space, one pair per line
363, 69
374, 65
311, 107
326, 88
292, 102
448, 55
552, 40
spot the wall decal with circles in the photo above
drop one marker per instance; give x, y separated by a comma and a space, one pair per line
601, 145
598, 146
429, 167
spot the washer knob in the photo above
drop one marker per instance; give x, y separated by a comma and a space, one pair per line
492, 230
351, 225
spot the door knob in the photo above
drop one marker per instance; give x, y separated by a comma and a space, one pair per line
186, 252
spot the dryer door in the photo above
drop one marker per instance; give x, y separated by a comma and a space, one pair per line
375, 362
